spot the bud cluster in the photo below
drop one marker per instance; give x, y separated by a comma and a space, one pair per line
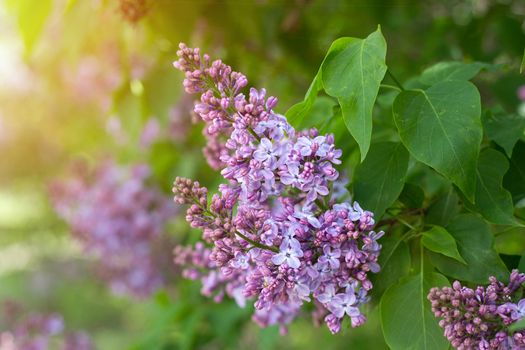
479, 318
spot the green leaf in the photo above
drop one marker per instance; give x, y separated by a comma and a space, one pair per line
476, 245
443, 210
521, 265
395, 264
517, 326
453, 70
491, 199
353, 76
438, 240
511, 241
298, 112
319, 115
412, 196
522, 65
31, 18
441, 127
504, 129
514, 179
406, 316
378, 181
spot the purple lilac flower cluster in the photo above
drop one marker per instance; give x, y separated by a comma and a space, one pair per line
119, 219
479, 318
36, 331
275, 232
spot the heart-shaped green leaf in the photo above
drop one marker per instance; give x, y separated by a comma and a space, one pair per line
353, 76
441, 127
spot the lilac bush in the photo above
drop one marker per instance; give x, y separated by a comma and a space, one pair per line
280, 231
479, 318
38, 331
120, 219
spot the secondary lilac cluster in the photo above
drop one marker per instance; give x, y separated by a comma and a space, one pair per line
119, 218
36, 331
479, 318
276, 232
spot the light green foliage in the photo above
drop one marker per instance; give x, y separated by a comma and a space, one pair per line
353, 76
31, 19
445, 71
438, 240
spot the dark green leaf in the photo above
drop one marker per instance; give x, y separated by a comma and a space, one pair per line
438, 240
504, 129
444, 209
491, 199
406, 316
514, 179
444, 71
412, 196
394, 261
521, 265
476, 245
378, 181
441, 127
353, 76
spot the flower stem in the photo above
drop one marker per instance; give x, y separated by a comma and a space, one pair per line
247, 239
256, 244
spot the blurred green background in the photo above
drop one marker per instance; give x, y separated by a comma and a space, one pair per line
79, 79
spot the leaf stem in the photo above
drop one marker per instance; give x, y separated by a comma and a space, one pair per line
391, 87
395, 80
406, 224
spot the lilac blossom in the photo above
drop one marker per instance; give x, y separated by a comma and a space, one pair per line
479, 318
280, 231
38, 331
289, 254
119, 219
